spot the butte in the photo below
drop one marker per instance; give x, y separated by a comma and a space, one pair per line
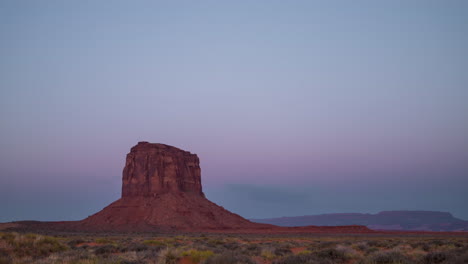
162, 191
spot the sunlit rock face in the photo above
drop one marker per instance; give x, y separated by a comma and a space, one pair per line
153, 169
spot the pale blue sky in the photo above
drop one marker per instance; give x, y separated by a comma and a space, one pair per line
358, 106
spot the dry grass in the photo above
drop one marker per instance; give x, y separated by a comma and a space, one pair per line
209, 248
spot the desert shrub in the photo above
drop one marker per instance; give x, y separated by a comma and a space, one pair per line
363, 246
5, 258
133, 246
36, 246
332, 254
8, 237
168, 256
425, 247
76, 256
182, 238
371, 250
214, 242
267, 244
75, 242
282, 251
435, 257
103, 241
228, 258
155, 243
460, 258
106, 250
111, 259
49, 241
348, 251
131, 262
268, 253
198, 255
202, 237
388, 257
231, 245
458, 244
322, 245
252, 250
148, 255
303, 259
437, 242
377, 243
415, 244
456, 256
215, 250
304, 252
30, 236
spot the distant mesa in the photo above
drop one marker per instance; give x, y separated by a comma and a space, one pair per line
387, 220
162, 192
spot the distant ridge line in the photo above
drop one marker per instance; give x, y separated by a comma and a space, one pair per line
404, 220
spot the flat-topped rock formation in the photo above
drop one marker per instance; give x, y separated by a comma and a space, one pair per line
162, 192
387, 220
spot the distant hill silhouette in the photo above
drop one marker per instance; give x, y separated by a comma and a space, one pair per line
387, 220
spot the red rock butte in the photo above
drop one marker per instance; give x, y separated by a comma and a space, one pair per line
162, 192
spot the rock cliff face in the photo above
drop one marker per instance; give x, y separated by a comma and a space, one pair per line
153, 169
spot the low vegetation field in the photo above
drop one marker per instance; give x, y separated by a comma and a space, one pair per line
235, 249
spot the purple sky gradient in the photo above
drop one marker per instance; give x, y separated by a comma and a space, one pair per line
310, 106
